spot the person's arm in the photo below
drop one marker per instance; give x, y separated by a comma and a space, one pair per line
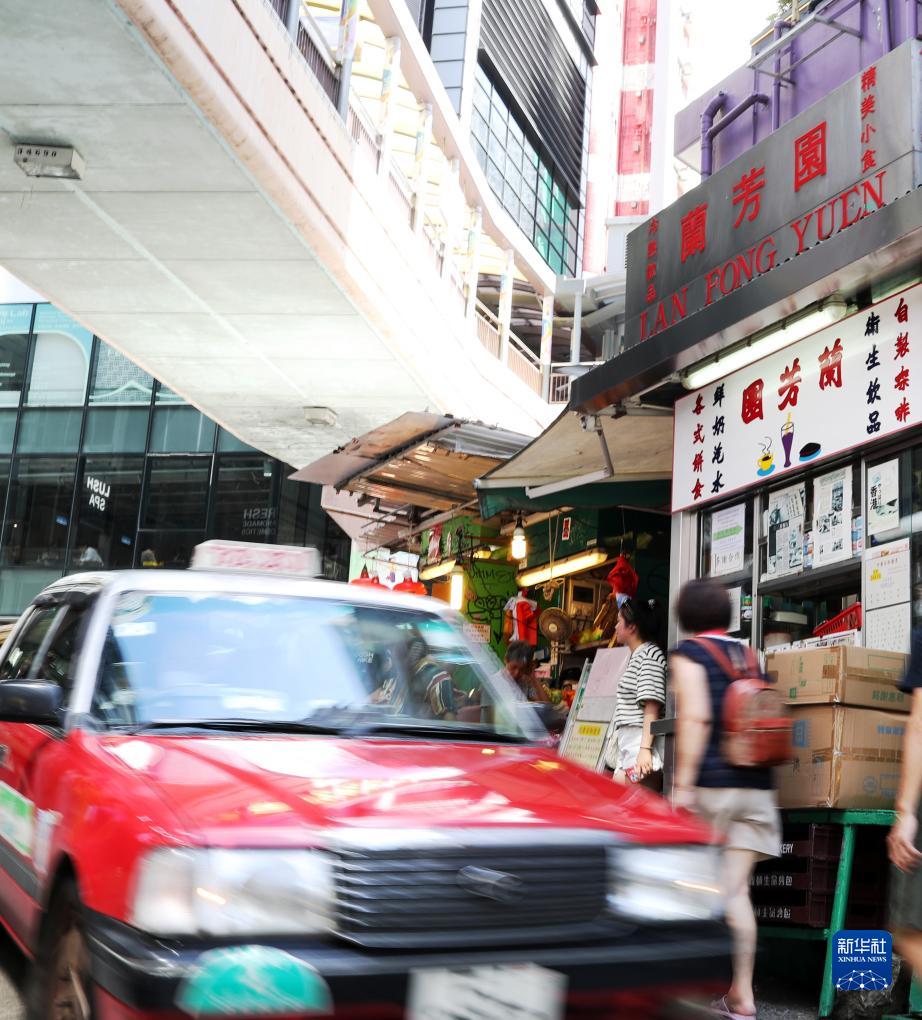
693, 724
644, 766
901, 843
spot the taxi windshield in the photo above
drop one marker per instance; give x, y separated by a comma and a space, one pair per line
297, 663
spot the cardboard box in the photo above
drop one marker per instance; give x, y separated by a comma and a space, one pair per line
841, 676
843, 758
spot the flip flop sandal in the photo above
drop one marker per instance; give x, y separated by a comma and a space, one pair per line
721, 1009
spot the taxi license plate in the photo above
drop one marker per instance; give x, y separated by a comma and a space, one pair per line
525, 992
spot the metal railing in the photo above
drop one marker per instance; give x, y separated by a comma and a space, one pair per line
363, 134
559, 392
313, 50
521, 361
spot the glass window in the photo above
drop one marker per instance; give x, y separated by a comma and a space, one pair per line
181, 430
245, 509
166, 396
108, 498
56, 665
38, 517
481, 131
170, 549
177, 492
18, 663
7, 430
60, 359
15, 322
116, 380
50, 430
116, 430
297, 659
228, 443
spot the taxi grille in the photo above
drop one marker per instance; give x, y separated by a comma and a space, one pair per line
471, 896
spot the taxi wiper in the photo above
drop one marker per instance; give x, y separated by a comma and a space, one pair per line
234, 726
436, 729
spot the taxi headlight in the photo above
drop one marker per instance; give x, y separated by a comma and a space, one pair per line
233, 892
665, 883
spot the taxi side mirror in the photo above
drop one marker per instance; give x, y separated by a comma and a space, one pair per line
31, 701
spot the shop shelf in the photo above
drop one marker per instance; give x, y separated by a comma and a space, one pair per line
839, 578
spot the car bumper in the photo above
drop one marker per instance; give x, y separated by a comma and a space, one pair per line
655, 968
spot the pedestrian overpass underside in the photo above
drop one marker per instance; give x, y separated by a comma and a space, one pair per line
225, 234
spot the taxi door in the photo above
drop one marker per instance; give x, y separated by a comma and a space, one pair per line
44, 650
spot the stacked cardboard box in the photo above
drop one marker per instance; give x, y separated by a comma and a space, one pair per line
848, 726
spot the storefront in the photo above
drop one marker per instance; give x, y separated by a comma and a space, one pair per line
102, 467
772, 310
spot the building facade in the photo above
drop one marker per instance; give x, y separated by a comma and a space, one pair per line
103, 467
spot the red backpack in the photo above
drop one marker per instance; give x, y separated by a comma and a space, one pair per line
756, 723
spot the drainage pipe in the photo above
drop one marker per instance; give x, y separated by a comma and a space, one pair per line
886, 26
913, 14
707, 146
707, 122
778, 31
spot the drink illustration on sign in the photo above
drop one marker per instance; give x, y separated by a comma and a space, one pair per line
787, 439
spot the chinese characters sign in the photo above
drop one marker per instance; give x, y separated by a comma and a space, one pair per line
821, 173
850, 383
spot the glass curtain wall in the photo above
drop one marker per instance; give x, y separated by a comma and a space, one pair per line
102, 467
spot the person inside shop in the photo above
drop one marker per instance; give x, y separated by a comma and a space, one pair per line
739, 803
632, 754
520, 665
904, 843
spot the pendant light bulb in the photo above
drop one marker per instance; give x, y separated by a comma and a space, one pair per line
519, 541
456, 592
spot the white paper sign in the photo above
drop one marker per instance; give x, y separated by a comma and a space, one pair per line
886, 575
883, 497
784, 528
889, 629
840, 388
832, 517
736, 598
728, 540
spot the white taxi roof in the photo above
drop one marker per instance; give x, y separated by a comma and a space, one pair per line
242, 583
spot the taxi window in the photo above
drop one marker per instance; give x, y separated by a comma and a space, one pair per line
57, 662
279, 658
21, 657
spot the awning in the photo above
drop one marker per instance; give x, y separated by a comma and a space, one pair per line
411, 473
570, 465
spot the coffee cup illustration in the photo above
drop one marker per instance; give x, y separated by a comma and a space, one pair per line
766, 462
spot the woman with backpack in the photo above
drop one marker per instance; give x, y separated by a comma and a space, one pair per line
711, 777
631, 751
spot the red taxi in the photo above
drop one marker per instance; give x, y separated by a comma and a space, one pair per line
247, 795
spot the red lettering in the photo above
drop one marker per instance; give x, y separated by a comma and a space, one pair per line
868, 191
846, 222
801, 231
643, 325
769, 243
679, 305
712, 279
734, 278
661, 322
744, 266
820, 217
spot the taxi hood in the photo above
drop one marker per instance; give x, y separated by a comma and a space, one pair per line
293, 791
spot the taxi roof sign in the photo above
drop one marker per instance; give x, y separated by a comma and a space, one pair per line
256, 557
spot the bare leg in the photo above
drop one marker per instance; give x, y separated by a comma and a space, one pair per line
908, 943
737, 869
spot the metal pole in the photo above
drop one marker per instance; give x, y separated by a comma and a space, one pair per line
505, 305
577, 331
293, 19
473, 260
451, 204
547, 336
421, 162
388, 89
348, 39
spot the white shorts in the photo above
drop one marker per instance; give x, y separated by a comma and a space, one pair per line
624, 745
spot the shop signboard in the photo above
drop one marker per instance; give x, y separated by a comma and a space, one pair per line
836, 163
847, 385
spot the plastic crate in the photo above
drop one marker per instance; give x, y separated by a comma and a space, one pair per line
813, 841
814, 909
848, 619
